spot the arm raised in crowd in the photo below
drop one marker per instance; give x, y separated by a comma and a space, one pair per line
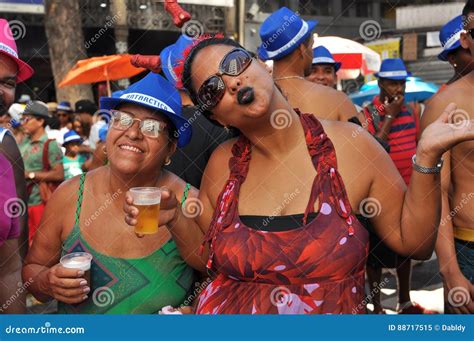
409, 219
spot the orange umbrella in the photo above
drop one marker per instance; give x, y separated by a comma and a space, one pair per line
100, 69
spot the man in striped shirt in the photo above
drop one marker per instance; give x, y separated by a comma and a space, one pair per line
389, 119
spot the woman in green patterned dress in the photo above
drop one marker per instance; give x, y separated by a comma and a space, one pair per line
129, 274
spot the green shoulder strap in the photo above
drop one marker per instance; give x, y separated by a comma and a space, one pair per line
79, 198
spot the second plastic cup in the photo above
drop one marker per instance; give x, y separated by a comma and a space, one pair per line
80, 261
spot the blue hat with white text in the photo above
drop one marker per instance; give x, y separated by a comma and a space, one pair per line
156, 93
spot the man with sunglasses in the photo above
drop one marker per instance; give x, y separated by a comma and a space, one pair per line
287, 40
42, 157
455, 243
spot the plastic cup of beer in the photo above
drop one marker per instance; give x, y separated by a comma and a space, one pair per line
147, 200
80, 261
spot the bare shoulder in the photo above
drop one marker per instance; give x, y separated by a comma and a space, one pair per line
221, 154
217, 170
351, 141
68, 189
177, 185
460, 93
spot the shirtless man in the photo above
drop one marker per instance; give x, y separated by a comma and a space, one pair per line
456, 231
288, 41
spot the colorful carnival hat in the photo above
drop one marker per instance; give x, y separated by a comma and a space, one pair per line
172, 55
8, 48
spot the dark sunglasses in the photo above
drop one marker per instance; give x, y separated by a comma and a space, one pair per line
471, 32
213, 89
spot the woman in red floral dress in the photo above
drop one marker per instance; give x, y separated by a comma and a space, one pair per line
278, 228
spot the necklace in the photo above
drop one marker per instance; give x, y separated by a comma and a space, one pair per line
288, 77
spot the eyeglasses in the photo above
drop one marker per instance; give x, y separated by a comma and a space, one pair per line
213, 89
149, 127
471, 32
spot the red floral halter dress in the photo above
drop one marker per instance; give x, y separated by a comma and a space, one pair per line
315, 269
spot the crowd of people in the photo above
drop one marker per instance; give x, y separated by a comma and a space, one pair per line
256, 216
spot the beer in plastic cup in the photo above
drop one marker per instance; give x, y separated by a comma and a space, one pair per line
80, 261
147, 200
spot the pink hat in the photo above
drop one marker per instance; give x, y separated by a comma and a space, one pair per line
8, 48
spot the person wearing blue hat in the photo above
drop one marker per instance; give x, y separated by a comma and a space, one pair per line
324, 68
190, 161
144, 272
454, 246
395, 123
64, 114
459, 57
73, 161
172, 55
287, 39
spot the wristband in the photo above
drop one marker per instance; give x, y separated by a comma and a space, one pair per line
427, 170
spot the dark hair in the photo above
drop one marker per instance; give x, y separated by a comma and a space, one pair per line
85, 106
468, 8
